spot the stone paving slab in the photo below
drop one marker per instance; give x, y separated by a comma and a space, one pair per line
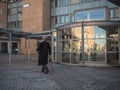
27, 76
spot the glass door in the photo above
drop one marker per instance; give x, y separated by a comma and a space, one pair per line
112, 45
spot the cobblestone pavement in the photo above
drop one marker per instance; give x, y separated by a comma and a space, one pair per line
27, 76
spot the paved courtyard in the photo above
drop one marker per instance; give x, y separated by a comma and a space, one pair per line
28, 76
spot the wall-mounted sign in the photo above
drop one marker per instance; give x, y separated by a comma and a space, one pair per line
26, 5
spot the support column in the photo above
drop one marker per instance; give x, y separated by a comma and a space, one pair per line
56, 55
10, 48
119, 43
83, 60
0, 46
29, 49
52, 52
18, 47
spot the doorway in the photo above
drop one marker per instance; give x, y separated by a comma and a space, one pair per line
4, 47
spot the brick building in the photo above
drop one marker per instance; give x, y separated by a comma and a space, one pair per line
97, 23
24, 15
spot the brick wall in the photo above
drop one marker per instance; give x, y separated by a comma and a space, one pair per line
3, 16
35, 18
46, 14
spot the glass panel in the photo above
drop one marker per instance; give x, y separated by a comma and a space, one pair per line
95, 49
95, 56
66, 2
72, 18
116, 13
75, 57
112, 44
94, 43
92, 14
81, 16
76, 32
99, 32
66, 57
84, 1
65, 34
89, 32
62, 18
111, 13
98, 14
19, 9
13, 11
19, 24
19, 17
64, 46
66, 18
100, 44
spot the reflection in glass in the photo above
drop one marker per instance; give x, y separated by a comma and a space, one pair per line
100, 43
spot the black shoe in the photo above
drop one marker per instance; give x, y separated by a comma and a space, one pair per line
42, 69
46, 70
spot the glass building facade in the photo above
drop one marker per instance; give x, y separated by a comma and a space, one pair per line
97, 41
87, 31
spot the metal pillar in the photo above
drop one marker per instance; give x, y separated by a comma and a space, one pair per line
83, 60
10, 48
52, 53
56, 56
29, 49
119, 43
0, 46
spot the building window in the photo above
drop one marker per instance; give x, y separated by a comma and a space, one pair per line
84, 1
72, 18
59, 3
54, 3
99, 14
19, 17
20, 10
54, 20
15, 24
63, 2
13, 11
19, 24
64, 18
114, 13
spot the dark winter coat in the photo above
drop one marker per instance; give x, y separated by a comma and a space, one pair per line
43, 50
